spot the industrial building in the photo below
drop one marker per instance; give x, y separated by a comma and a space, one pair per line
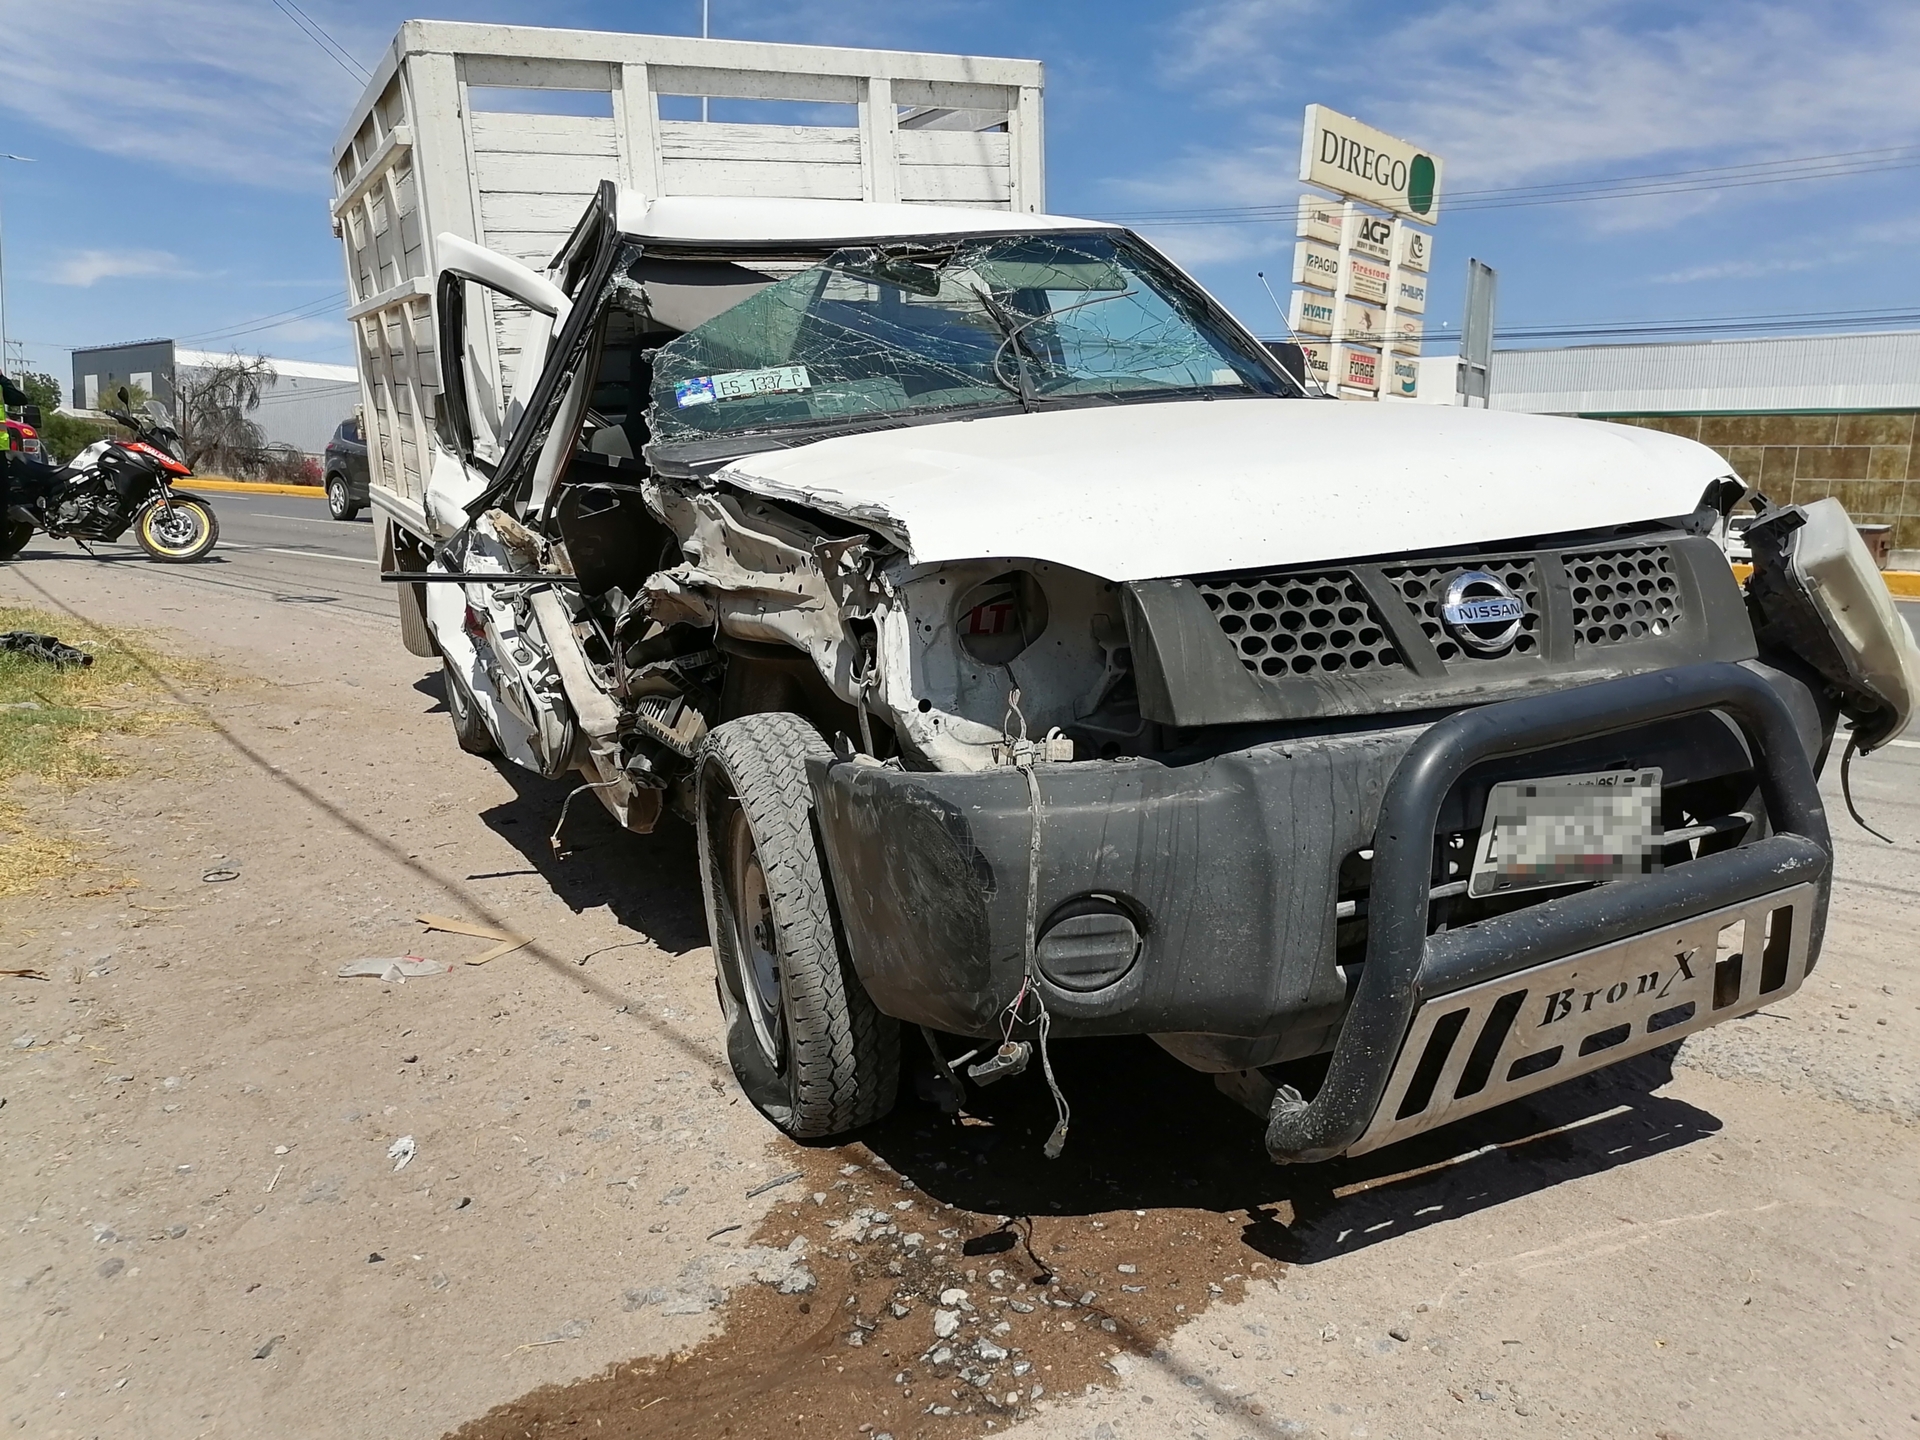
302, 407
1802, 417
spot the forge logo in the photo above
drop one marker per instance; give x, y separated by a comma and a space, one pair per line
998, 618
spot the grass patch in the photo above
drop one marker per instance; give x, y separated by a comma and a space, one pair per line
67, 727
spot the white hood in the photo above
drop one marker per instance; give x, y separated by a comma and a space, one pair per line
1137, 492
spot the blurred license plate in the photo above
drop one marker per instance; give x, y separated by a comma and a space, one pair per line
1568, 830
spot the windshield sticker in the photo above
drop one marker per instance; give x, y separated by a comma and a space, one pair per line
742, 385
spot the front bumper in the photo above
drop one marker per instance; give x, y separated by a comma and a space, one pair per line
1229, 867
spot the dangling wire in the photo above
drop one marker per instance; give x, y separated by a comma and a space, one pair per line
567, 804
1057, 1141
1846, 788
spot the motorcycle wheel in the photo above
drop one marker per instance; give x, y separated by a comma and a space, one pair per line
13, 538
187, 533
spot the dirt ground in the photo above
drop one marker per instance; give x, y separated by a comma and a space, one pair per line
205, 1233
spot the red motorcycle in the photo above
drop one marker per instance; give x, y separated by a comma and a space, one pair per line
110, 486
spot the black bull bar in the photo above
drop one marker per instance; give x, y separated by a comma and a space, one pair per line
1405, 966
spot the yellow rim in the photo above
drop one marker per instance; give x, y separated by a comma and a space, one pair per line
159, 541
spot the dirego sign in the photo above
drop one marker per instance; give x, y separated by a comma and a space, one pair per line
1338, 153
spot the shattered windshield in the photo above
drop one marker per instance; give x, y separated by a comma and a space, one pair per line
902, 330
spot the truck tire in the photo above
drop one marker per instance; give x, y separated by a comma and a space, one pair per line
14, 536
469, 725
806, 1043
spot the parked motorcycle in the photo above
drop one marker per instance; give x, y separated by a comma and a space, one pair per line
113, 484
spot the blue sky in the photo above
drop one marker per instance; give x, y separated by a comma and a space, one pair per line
180, 146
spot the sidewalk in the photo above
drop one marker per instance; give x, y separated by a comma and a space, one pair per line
220, 485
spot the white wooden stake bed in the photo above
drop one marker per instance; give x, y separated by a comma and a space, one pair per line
452, 135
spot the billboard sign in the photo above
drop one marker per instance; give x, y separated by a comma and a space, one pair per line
1319, 358
1368, 280
1372, 235
1317, 265
1408, 331
1339, 153
1411, 248
1359, 369
1312, 313
1319, 219
1403, 381
1411, 294
1363, 323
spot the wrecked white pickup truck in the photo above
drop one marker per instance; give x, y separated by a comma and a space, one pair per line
1034, 660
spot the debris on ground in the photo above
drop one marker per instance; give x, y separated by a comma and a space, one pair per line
507, 941
396, 968
43, 647
400, 1152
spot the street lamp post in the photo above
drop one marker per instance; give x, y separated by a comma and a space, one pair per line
28, 160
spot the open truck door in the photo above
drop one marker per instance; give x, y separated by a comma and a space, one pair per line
515, 678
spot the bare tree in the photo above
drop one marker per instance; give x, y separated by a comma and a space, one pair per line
215, 403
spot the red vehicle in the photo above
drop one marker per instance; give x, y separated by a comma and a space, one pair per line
26, 440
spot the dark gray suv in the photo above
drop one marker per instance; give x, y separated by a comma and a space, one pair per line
347, 476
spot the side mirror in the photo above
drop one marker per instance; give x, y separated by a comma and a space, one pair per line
126, 400
31, 414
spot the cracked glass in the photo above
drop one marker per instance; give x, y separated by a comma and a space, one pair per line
913, 331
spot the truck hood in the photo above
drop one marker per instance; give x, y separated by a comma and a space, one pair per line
1138, 492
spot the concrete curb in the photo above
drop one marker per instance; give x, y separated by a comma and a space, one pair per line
249, 487
1905, 584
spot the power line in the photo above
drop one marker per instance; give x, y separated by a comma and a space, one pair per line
1725, 177
1778, 322
315, 32
268, 322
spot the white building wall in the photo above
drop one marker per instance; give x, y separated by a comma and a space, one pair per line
1779, 374
304, 405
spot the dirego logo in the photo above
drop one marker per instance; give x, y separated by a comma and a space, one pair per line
1413, 179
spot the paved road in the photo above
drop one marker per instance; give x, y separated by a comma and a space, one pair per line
284, 548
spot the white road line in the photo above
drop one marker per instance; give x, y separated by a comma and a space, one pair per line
1906, 744
303, 519
304, 554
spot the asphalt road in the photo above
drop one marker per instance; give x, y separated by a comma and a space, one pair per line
286, 549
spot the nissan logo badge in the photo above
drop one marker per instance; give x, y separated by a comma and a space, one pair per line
1481, 612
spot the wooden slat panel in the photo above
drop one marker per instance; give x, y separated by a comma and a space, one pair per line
543, 174
955, 147
744, 84
537, 73
952, 185
543, 214
543, 134
745, 177
530, 247
791, 144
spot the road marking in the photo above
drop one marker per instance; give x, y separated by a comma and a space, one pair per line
1906, 744
303, 519
304, 554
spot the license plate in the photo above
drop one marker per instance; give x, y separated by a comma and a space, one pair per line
1568, 830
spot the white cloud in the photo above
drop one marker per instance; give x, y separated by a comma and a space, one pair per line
89, 267
1510, 91
223, 88
1742, 270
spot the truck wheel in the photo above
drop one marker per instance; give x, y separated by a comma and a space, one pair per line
469, 725
339, 499
805, 1041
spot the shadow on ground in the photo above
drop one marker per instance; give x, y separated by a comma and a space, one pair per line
1150, 1134
649, 883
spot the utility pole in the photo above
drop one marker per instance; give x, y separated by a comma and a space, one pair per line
28, 160
705, 16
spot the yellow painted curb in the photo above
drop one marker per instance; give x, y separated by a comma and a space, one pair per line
1904, 583
250, 487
